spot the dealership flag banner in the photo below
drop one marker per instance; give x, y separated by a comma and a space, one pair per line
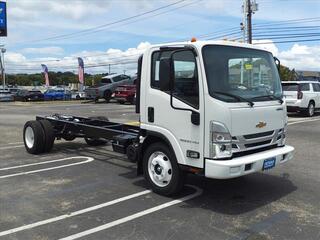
46, 75
81, 73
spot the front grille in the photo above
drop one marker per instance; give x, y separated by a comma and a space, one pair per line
258, 135
245, 153
250, 145
256, 140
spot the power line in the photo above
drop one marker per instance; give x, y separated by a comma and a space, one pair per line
289, 41
288, 22
89, 30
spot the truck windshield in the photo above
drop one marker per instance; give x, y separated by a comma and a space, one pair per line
247, 73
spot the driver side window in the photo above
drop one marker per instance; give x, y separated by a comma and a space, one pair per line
186, 82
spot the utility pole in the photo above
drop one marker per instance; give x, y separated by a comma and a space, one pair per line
249, 8
249, 22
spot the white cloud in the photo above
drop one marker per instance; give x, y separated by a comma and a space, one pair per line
301, 57
44, 50
75, 9
119, 60
267, 45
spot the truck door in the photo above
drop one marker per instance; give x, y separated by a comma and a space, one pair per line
174, 120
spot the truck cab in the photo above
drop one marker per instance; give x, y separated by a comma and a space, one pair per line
213, 108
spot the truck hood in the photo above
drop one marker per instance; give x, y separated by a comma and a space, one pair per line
259, 118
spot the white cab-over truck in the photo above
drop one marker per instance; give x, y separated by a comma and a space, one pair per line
212, 108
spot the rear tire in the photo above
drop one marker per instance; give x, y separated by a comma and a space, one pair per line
49, 135
34, 137
310, 111
107, 95
161, 170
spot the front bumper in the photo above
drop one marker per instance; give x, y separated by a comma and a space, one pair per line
241, 166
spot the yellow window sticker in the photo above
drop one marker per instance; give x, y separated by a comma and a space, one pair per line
248, 66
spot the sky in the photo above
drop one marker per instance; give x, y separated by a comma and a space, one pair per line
56, 32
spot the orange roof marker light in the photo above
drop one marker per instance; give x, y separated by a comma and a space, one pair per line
193, 39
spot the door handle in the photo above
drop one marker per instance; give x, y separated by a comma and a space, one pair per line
150, 114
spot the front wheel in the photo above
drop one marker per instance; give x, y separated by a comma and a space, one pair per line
161, 170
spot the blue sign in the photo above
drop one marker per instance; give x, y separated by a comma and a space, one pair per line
3, 19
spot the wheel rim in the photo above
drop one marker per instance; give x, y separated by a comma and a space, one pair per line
29, 137
160, 169
311, 109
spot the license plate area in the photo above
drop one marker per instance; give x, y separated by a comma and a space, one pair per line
269, 163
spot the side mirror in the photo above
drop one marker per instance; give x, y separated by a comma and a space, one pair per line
277, 61
165, 74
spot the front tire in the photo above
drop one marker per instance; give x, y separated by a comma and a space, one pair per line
161, 170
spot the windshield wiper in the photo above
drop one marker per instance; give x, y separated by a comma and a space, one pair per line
236, 97
270, 96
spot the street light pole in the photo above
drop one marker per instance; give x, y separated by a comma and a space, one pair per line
3, 50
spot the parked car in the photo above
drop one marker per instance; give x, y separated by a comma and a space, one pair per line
13, 90
106, 87
125, 93
57, 94
302, 96
27, 95
6, 96
77, 95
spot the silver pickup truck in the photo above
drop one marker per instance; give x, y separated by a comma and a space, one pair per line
107, 86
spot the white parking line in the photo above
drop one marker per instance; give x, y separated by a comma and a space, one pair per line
303, 121
14, 143
72, 214
134, 216
89, 159
11, 147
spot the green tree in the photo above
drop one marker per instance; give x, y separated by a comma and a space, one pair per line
286, 74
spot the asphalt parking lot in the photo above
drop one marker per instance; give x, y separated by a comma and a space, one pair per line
85, 192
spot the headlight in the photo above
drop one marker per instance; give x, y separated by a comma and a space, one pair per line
284, 135
220, 142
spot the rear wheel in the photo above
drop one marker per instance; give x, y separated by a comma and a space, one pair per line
161, 170
49, 135
107, 95
311, 109
131, 100
34, 137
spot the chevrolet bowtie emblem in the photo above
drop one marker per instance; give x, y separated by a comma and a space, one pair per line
261, 125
